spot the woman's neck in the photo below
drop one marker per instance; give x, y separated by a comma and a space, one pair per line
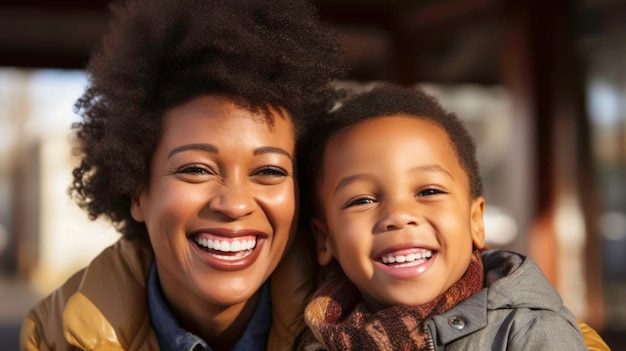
219, 326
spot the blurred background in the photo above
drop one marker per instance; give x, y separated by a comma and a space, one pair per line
540, 84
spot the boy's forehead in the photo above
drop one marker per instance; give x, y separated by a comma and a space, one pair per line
390, 135
363, 139
381, 124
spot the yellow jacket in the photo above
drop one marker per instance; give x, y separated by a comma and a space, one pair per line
104, 306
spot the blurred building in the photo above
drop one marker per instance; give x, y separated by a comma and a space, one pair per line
45, 237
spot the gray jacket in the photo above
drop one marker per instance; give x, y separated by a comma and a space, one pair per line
518, 310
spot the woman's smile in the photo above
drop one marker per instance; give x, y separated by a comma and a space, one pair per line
226, 249
220, 205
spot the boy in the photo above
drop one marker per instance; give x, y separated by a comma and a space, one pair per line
398, 204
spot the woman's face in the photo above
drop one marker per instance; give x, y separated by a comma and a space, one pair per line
220, 204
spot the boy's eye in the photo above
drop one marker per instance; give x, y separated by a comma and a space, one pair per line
360, 201
429, 192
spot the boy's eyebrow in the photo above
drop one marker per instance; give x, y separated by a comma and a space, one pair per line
426, 168
350, 179
433, 168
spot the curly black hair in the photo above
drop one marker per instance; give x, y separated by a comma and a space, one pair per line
158, 54
382, 100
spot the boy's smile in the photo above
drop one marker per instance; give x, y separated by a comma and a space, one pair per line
397, 211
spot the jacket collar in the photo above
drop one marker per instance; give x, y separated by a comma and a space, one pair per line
515, 281
465, 318
109, 308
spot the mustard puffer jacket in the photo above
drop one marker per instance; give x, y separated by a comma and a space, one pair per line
104, 306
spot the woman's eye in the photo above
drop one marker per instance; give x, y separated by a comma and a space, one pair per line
196, 170
429, 192
360, 201
270, 175
271, 172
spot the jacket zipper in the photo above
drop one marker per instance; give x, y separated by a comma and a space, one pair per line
430, 343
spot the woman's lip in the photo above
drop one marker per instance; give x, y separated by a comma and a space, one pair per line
214, 261
211, 257
228, 233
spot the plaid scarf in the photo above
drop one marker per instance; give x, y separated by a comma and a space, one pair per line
339, 319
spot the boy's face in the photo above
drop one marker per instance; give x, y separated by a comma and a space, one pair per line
397, 211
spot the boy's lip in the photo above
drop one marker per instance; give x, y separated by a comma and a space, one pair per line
407, 270
406, 256
403, 249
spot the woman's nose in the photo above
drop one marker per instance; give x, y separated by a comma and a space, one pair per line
234, 200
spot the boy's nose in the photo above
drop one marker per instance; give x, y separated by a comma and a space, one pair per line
398, 215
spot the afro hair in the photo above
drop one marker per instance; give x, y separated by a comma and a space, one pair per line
382, 100
158, 54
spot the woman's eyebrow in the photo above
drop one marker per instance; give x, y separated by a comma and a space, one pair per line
200, 147
273, 150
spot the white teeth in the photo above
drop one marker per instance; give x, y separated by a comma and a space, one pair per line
408, 258
236, 246
227, 246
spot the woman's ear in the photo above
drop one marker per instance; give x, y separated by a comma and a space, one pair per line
135, 207
322, 241
477, 223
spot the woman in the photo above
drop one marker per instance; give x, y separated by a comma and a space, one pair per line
187, 145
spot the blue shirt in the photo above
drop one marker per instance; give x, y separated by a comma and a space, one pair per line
174, 338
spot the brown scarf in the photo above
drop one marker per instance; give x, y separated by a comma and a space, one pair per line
339, 319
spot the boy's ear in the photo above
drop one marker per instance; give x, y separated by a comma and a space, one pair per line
135, 207
320, 233
477, 223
